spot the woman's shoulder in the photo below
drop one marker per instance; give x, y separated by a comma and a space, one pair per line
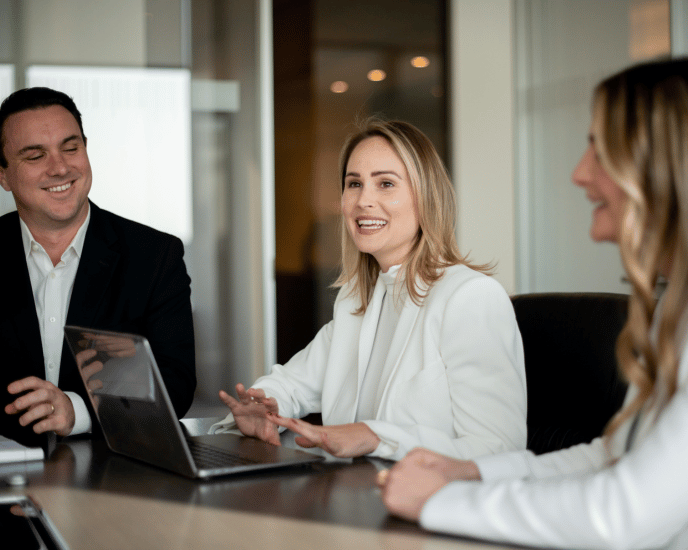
460, 274
347, 297
463, 280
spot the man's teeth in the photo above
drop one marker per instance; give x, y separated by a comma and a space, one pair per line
59, 188
371, 223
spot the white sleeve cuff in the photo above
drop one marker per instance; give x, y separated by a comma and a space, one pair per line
82, 420
387, 448
223, 426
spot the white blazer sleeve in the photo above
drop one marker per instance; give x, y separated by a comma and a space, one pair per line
639, 502
585, 457
297, 385
481, 349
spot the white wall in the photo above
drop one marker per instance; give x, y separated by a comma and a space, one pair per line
522, 73
85, 32
564, 50
481, 44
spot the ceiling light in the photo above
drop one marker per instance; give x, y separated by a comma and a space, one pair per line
376, 75
339, 87
420, 62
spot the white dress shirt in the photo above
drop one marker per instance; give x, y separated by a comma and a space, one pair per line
588, 496
52, 290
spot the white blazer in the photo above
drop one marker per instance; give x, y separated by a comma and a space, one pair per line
457, 383
593, 497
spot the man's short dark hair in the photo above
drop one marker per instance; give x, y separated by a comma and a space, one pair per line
33, 98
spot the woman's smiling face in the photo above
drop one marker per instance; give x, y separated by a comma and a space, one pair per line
378, 204
604, 192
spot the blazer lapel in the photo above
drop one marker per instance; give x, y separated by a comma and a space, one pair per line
21, 308
96, 267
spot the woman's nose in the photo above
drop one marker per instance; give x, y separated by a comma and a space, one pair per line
583, 170
366, 197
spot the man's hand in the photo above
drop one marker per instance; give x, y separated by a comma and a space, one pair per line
44, 402
250, 412
343, 440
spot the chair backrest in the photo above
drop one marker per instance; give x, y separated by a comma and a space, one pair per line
574, 387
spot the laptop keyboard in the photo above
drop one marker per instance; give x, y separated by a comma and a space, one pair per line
206, 456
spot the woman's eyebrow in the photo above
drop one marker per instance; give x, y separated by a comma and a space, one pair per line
383, 172
374, 174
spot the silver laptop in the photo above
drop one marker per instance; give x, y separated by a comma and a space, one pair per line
134, 410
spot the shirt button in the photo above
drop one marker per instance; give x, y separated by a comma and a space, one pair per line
51, 366
34, 247
52, 319
52, 275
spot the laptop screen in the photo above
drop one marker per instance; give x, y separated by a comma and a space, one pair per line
129, 397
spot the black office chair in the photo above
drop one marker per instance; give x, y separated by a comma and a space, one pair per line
573, 384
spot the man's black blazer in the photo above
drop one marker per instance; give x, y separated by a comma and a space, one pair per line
131, 278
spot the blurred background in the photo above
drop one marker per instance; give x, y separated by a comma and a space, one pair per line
220, 121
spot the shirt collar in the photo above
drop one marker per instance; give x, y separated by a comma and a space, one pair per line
77, 242
390, 277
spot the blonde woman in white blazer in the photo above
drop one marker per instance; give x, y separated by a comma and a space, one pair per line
628, 489
423, 348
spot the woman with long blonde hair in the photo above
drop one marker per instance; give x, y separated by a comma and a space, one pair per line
423, 348
629, 488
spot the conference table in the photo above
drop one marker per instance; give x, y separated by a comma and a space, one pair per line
97, 499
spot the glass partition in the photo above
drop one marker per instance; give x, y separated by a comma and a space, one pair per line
563, 49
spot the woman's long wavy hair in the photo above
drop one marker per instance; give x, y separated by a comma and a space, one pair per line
435, 247
640, 125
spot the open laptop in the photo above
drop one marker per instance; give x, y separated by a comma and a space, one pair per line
131, 402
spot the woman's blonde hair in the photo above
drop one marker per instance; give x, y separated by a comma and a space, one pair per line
435, 247
640, 126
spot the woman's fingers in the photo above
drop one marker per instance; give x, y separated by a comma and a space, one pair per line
304, 442
227, 399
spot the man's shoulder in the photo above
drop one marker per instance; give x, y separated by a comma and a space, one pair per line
9, 218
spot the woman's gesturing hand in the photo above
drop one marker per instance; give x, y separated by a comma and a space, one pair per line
250, 410
344, 440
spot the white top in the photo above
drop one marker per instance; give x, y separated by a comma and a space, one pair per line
592, 497
376, 375
52, 290
456, 381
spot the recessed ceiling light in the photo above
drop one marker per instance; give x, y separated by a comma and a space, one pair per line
420, 62
376, 75
339, 87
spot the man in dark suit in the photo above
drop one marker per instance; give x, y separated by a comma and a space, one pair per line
66, 261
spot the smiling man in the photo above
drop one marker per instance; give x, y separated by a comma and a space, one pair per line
69, 262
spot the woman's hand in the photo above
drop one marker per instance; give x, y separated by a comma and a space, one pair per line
344, 440
419, 475
251, 411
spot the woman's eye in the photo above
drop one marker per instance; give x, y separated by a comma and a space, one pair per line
387, 184
353, 183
